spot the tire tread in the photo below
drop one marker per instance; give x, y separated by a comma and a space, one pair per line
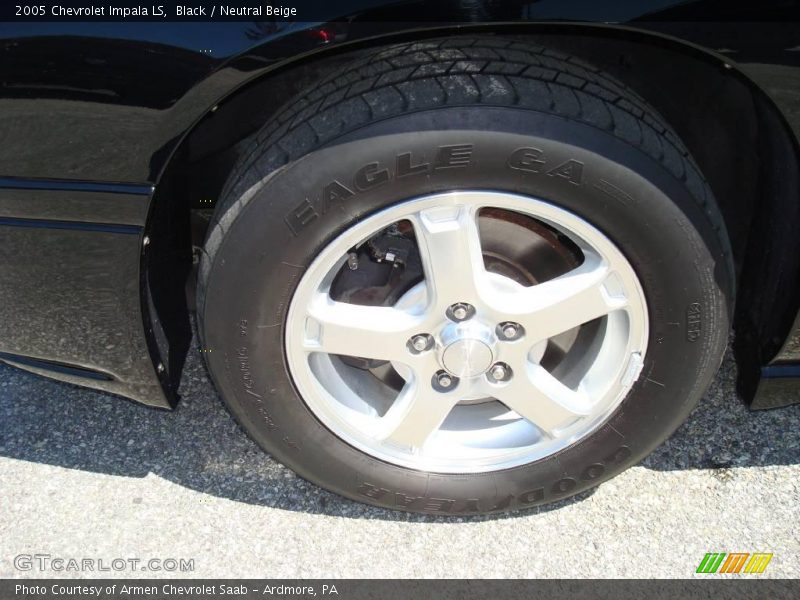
450, 72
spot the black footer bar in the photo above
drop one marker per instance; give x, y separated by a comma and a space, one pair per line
386, 589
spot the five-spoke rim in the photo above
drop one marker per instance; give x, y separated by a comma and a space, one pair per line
468, 343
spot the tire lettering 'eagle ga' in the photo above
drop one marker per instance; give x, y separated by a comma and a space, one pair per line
373, 175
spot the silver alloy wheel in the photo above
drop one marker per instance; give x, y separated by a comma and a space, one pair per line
477, 396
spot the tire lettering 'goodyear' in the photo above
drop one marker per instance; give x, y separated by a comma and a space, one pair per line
457, 156
440, 505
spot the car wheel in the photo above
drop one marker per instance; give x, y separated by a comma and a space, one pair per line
464, 276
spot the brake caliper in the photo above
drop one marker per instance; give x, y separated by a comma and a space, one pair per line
378, 273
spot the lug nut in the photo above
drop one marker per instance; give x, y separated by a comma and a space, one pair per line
420, 342
443, 381
510, 330
461, 311
500, 372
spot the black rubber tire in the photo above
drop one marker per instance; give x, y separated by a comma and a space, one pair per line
601, 153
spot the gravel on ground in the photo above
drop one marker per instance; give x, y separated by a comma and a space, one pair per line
87, 475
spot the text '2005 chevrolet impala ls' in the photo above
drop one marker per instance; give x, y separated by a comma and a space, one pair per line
474, 263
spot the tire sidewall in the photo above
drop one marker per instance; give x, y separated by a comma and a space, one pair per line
283, 221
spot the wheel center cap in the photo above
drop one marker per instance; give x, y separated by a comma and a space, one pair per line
468, 349
467, 357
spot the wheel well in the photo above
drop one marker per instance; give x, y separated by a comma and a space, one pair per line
747, 153
738, 138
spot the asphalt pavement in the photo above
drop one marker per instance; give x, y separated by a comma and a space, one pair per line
85, 475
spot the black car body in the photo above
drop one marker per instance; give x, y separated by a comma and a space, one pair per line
116, 137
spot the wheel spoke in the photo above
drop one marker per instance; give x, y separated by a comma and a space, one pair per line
542, 399
450, 248
558, 305
378, 332
416, 414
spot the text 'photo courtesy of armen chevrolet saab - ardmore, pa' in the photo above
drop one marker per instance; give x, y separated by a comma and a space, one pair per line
443, 289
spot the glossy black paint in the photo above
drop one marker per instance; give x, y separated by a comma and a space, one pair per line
92, 116
779, 380
70, 297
